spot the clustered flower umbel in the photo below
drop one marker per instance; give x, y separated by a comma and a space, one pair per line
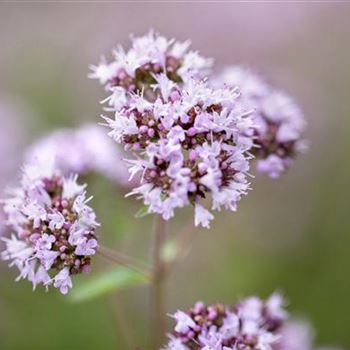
53, 228
82, 151
251, 324
191, 140
134, 70
279, 121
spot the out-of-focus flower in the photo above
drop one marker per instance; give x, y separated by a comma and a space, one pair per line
53, 227
149, 55
11, 140
81, 151
250, 324
279, 121
192, 143
295, 335
298, 335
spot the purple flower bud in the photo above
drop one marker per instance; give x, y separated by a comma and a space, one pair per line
64, 203
184, 118
150, 132
191, 131
86, 268
212, 314
175, 96
67, 226
136, 146
193, 155
153, 173
143, 129
198, 307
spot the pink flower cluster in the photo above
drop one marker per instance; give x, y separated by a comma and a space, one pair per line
279, 121
81, 151
54, 230
149, 55
252, 324
194, 138
191, 141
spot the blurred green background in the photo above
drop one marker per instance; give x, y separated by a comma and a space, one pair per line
292, 234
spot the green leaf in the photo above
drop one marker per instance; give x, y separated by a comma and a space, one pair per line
142, 212
105, 283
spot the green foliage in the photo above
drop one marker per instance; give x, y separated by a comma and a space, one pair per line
105, 283
142, 212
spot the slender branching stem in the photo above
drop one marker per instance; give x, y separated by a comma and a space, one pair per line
157, 290
124, 260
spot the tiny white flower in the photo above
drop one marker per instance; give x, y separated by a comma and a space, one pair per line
202, 216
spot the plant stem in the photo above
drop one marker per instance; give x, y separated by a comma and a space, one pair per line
124, 260
157, 289
119, 317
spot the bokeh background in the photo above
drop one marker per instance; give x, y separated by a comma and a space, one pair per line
292, 234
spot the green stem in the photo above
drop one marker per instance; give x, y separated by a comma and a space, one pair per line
124, 260
123, 328
157, 289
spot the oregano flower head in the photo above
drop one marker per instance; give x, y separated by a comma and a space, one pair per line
191, 140
251, 324
53, 228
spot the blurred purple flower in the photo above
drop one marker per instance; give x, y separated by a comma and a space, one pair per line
81, 151
296, 335
279, 121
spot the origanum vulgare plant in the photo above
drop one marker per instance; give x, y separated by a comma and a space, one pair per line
189, 138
